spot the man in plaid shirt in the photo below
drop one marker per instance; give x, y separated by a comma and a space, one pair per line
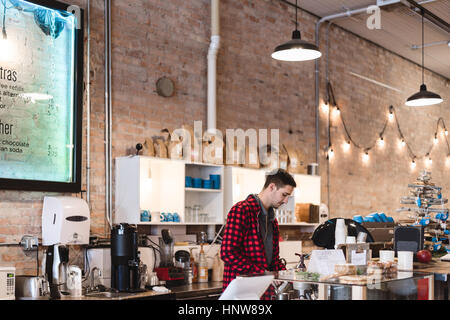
250, 242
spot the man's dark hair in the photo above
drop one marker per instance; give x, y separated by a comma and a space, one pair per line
280, 178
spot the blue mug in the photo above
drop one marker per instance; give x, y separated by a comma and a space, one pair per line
188, 183
145, 217
207, 184
215, 178
197, 182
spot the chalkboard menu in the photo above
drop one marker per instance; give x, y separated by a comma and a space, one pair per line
41, 78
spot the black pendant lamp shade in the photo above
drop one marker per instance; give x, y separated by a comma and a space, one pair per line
296, 49
423, 97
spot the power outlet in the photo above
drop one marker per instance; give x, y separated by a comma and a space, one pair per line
29, 243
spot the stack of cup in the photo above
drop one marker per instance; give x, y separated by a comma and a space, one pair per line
405, 260
387, 255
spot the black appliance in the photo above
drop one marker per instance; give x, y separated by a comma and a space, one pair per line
408, 238
324, 235
125, 258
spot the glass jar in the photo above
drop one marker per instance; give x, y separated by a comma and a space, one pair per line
196, 213
188, 214
203, 217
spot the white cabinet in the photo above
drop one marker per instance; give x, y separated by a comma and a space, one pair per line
158, 185
241, 182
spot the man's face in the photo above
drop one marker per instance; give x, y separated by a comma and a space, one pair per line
280, 196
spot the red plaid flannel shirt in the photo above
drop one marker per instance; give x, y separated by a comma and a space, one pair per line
242, 249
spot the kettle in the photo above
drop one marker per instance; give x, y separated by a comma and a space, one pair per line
74, 281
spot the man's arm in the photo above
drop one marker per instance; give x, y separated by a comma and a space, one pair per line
232, 243
277, 265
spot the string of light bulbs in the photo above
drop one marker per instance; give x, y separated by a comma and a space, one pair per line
391, 116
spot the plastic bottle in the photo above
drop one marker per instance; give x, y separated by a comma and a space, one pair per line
202, 266
193, 266
217, 270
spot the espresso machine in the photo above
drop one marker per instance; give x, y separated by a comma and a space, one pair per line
65, 222
125, 261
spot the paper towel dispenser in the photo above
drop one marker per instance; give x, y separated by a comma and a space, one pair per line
65, 220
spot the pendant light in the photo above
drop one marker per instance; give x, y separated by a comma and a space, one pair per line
296, 49
423, 97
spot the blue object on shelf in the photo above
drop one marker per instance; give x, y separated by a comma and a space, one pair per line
390, 219
425, 221
207, 184
162, 217
419, 202
375, 217
176, 217
369, 219
145, 217
358, 219
188, 182
169, 217
382, 217
197, 182
215, 178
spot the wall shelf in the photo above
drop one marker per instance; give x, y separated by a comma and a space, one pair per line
202, 190
158, 185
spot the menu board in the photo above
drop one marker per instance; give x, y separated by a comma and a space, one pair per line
41, 71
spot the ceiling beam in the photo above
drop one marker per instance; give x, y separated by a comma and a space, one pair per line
430, 16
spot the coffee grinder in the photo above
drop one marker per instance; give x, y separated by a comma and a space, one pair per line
125, 258
167, 271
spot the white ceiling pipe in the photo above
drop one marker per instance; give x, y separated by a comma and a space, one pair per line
212, 66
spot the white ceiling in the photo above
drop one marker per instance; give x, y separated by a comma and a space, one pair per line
401, 28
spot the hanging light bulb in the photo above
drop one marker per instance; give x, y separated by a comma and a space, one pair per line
436, 140
428, 160
381, 142
447, 161
346, 146
325, 107
337, 112
391, 116
446, 132
402, 143
413, 164
423, 97
366, 156
330, 152
296, 49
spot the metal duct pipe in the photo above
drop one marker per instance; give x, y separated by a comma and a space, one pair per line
88, 103
212, 66
108, 116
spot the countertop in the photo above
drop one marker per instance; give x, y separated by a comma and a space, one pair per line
435, 266
206, 290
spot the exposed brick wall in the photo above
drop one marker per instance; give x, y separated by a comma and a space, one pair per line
152, 39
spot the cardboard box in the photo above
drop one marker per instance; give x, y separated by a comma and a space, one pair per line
306, 212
